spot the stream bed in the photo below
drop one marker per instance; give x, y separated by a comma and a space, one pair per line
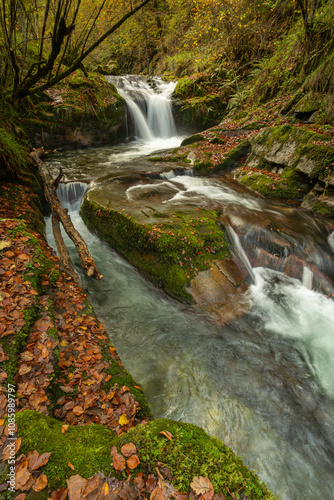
264, 383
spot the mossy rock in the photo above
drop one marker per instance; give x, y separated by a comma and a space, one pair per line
289, 186
169, 248
228, 163
87, 111
310, 103
191, 452
193, 139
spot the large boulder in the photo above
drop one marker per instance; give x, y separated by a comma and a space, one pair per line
287, 162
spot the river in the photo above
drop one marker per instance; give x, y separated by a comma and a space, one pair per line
264, 384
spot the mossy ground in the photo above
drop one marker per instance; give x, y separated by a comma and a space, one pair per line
190, 453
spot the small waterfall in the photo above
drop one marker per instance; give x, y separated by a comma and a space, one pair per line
71, 194
150, 108
239, 251
307, 279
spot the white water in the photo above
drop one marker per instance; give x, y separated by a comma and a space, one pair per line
150, 109
71, 195
292, 310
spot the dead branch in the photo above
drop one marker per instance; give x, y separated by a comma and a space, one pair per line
63, 253
60, 213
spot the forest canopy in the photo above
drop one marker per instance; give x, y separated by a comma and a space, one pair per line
43, 41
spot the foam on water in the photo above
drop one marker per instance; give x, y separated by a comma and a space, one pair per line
288, 308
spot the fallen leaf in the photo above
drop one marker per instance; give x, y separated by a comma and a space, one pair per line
123, 419
118, 462
40, 483
202, 486
139, 481
32, 457
21, 496
157, 494
113, 451
168, 435
41, 460
5, 244
70, 466
105, 489
92, 484
64, 428
24, 369
128, 449
132, 462
67, 388
22, 477
76, 484
77, 410
27, 356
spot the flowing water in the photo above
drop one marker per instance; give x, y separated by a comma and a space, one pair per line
264, 384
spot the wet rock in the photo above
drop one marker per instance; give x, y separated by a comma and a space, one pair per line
287, 162
221, 291
294, 267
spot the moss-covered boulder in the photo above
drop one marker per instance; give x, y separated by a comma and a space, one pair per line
188, 453
169, 243
80, 111
199, 102
287, 161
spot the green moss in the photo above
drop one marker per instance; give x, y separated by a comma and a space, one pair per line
289, 186
192, 139
12, 152
86, 447
13, 345
190, 453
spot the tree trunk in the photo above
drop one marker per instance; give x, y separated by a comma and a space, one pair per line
60, 213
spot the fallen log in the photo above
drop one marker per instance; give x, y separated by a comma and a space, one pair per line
61, 214
63, 253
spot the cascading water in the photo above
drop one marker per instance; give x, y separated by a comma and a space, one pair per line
71, 194
149, 107
264, 383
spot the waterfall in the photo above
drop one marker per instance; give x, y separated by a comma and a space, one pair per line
239, 252
150, 108
307, 278
71, 194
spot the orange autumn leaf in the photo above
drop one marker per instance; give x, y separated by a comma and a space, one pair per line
22, 477
133, 461
64, 428
70, 465
118, 462
202, 486
167, 434
41, 460
40, 483
128, 449
157, 494
77, 410
113, 451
